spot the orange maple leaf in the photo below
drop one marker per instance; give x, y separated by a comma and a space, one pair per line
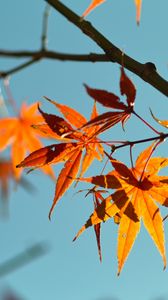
95, 3
6, 173
137, 191
70, 150
6, 176
138, 4
92, 6
163, 123
18, 132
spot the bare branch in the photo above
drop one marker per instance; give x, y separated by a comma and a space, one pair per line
45, 54
146, 71
44, 39
4, 74
162, 137
92, 57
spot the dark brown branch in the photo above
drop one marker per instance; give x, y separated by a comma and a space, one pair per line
4, 74
92, 57
146, 71
45, 54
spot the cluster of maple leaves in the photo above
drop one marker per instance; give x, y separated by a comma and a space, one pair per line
137, 190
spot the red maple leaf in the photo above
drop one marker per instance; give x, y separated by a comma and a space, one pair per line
109, 119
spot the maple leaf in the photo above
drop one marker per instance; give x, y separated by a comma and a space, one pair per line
92, 6
98, 199
6, 173
109, 119
138, 190
70, 151
95, 3
138, 4
17, 132
163, 123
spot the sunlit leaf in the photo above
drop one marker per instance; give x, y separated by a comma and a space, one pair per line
110, 100
70, 151
163, 123
92, 6
138, 4
138, 189
95, 3
18, 132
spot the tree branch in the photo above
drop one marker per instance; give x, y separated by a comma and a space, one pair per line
44, 40
46, 54
91, 57
4, 74
146, 71
162, 137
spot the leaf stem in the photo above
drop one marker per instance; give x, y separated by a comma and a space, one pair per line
153, 149
146, 123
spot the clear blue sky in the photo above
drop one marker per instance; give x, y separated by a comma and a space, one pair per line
72, 270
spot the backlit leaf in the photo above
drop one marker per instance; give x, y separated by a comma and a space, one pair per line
109, 119
128, 230
66, 176
138, 189
75, 143
138, 4
163, 123
153, 222
95, 3
105, 98
18, 132
92, 6
127, 88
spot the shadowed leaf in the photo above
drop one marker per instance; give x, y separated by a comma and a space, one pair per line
65, 178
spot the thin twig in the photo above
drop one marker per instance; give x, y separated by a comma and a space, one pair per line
130, 143
165, 218
10, 98
91, 57
44, 39
111, 144
46, 54
146, 163
4, 74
